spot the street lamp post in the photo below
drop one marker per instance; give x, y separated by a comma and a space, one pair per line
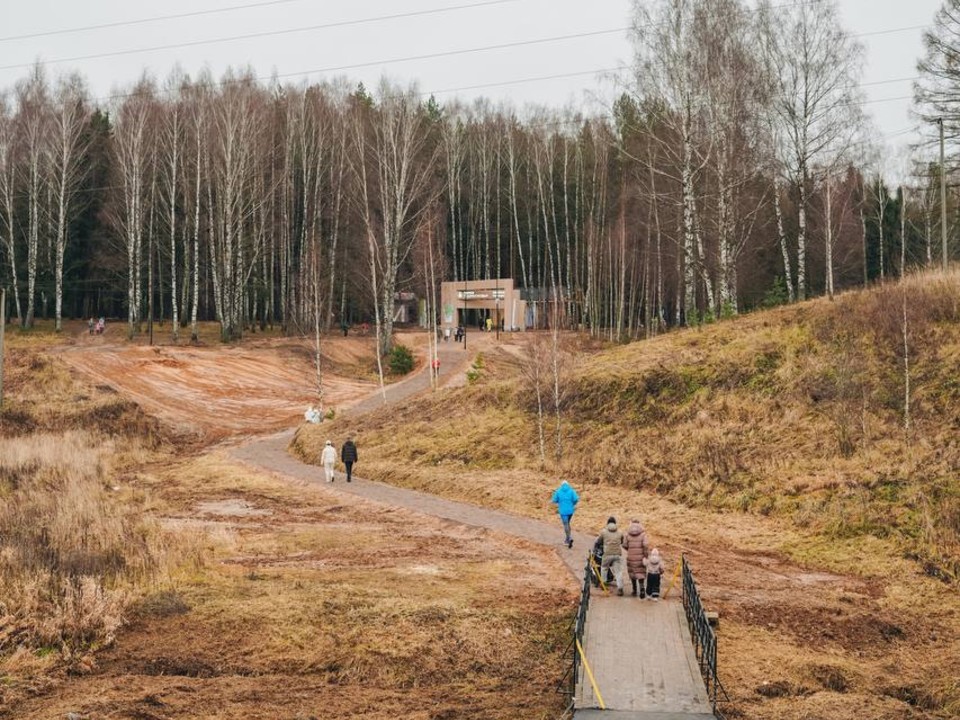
496, 300
943, 197
464, 312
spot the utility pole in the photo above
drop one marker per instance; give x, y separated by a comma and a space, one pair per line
3, 327
943, 197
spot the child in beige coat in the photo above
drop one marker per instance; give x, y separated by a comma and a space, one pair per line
654, 568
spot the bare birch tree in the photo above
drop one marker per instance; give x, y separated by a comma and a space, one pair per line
736, 107
66, 158
134, 150
815, 69
171, 155
394, 167
238, 123
34, 127
667, 68
8, 180
935, 92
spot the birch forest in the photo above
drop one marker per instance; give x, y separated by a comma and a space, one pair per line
734, 170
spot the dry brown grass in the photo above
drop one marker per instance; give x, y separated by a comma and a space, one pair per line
309, 606
796, 413
274, 600
70, 552
792, 421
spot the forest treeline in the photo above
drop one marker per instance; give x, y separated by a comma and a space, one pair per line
733, 170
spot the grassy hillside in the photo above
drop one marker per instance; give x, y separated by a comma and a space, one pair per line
779, 437
147, 577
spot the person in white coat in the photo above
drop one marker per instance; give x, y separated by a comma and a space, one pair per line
328, 458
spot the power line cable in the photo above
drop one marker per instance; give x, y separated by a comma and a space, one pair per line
521, 81
144, 21
270, 33
890, 81
891, 31
256, 35
447, 53
463, 51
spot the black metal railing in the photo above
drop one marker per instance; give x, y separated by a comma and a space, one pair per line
704, 638
568, 683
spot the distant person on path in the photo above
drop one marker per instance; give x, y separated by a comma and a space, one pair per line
348, 454
635, 543
612, 552
566, 499
328, 458
446, 334
654, 567
90, 324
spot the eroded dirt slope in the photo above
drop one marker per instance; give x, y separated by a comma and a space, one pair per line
211, 393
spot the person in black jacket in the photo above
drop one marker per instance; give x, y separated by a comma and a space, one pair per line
348, 454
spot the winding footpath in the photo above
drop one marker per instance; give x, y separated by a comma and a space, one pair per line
639, 652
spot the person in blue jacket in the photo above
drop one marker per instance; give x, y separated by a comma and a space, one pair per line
566, 499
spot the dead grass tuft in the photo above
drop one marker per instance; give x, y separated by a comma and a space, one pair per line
829, 677
69, 552
165, 603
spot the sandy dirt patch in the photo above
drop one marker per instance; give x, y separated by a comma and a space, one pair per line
213, 393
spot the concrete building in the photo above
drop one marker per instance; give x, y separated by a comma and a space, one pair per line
471, 302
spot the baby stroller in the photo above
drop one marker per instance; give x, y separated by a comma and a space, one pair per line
596, 557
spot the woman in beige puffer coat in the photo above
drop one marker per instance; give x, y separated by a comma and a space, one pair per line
637, 547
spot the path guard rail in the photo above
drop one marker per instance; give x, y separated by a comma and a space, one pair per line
704, 638
568, 683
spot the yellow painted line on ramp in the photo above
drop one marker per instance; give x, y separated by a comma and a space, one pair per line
596, 690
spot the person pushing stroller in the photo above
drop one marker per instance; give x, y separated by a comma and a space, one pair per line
612, 539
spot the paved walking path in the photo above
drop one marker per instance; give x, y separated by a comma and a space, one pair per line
453, 361
639, 651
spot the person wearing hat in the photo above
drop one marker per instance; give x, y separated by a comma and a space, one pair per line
327, 458
654, 567
612, 552
637, 546
566, 499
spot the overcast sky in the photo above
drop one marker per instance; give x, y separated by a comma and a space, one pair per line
291, 45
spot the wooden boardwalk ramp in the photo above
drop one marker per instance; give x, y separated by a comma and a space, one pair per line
642, 660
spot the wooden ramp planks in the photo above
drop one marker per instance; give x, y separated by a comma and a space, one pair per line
642, 659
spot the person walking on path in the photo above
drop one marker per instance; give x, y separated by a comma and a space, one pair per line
636, 544
327, 458
612, 552
654, 567
348, 454
566, 499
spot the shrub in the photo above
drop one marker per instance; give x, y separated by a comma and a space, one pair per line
473, 374
400, 360
776, 295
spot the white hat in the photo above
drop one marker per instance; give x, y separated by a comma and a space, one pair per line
329, 443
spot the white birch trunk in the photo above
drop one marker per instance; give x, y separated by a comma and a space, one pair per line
828, 250
782, 236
